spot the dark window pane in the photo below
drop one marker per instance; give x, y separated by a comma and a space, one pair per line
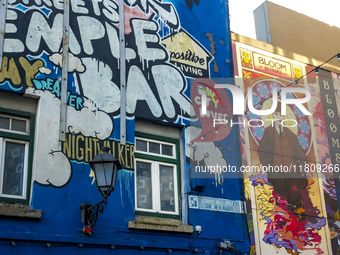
144, 187
141, 145
166, 179
154, 148
19, 125
13, 169
4, 123
167, 150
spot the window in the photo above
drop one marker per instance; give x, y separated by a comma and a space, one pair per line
16, 148
157, 175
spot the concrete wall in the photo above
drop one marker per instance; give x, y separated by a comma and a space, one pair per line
298, 34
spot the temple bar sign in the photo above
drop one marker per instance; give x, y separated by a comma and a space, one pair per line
216, 204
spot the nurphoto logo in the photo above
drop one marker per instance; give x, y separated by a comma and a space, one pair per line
239, 104
239, 99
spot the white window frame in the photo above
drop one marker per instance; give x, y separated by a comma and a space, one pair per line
159, 142
3, 142
156, 199
10, 117
155, 175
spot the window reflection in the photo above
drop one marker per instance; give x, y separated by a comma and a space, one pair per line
166, 179
13, 168
144, 187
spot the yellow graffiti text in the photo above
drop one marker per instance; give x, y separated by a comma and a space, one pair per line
10, 70
83, 149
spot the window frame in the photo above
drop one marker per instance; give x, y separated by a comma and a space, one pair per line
159, 142
11, 117
3, 142
19, 137
157, 159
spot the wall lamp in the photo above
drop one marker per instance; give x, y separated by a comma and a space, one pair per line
105, 168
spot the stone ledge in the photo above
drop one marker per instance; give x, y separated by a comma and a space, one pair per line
159, 224
18, 211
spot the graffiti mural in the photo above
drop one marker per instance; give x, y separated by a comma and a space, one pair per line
157, 63
295, 211
190, 3
170, 47
40, 37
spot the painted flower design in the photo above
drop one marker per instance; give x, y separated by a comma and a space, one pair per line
256, 102
252, 115
274, 84
304, 127
255, 98
262, 89
303, 140
298, 112
258, 133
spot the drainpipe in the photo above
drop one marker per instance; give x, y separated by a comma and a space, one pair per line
3, 6
64, 71
122, 65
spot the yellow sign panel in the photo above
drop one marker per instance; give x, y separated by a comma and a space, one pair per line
188, 54
272, 66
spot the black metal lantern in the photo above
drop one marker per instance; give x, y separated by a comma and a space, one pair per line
105, 168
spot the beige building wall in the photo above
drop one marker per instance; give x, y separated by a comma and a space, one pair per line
298, 35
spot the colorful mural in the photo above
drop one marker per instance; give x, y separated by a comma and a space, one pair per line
170, 46
161, 57
35, 29
293, 210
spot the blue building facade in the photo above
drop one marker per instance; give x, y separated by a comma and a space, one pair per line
60, 102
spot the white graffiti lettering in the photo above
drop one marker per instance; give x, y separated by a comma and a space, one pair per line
94, 51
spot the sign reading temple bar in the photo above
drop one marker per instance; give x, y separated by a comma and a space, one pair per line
216, 204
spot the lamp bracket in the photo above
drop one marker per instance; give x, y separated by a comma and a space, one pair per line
89, 213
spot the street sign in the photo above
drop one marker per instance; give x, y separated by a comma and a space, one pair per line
216, 204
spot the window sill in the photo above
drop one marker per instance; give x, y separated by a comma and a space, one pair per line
18, 211
159, 224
